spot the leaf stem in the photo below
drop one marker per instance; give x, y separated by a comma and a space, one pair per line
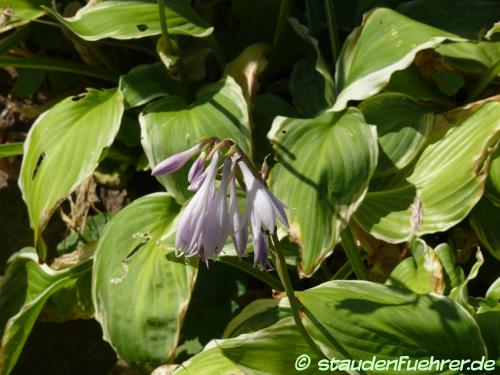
353, 254
282, 19
217, 50
483, 82
245, 267
171, 48
343, 273
294, 302
14, 39
312, 17
332, 30
59, 66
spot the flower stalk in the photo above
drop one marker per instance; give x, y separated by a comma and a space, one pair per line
171, 49
295, 305
353, 254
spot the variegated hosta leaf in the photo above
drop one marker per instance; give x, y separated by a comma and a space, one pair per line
325, 164
257, 315
133, 19
485, 219
140, 289
247, 66
403, 125
147, 82
24, 290
468, 18
15, 13
442, 187
311, 84
488, 319
410, 82
474, 57
386, 42
171, 125
253, 353
360, 320
427, 270
63, 147
493, 183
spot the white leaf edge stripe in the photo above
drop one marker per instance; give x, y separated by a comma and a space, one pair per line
372, 83
90, 8
49, 210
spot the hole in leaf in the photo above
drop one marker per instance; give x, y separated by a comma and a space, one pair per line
38, 163
78, 97
131, 254
145, 238
142, 27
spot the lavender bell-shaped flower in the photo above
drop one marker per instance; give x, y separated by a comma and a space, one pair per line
217, 224
192, 221
263, 208
238, 223
176, 161
197, 168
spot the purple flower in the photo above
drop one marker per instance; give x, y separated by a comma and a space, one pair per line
197, 182
208, 219
192, 221
196, 169
238, 224
176, 161
216, 226
263, 208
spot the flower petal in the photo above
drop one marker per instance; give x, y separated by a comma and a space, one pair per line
197, 168
176, 161
237, 221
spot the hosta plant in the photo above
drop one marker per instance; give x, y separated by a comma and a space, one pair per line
250, 186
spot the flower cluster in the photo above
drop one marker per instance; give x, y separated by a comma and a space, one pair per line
209, 217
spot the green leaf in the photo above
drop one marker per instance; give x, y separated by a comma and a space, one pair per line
360, 319
22, 12
410, 82
253, 353
24, 290
403, 125
265, 108
484, 219
90, 234
171, 125
145, 83
11, 149
448, 82
63, 148
246, 68
427, 269
411, 272
140, 288
311, 84
463, 17
325, 164
385, 42
58, 65
488, 319
461, 293
493, 182
14, 38
28, 82
257, 315
133, 19
443, 186
473, 57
